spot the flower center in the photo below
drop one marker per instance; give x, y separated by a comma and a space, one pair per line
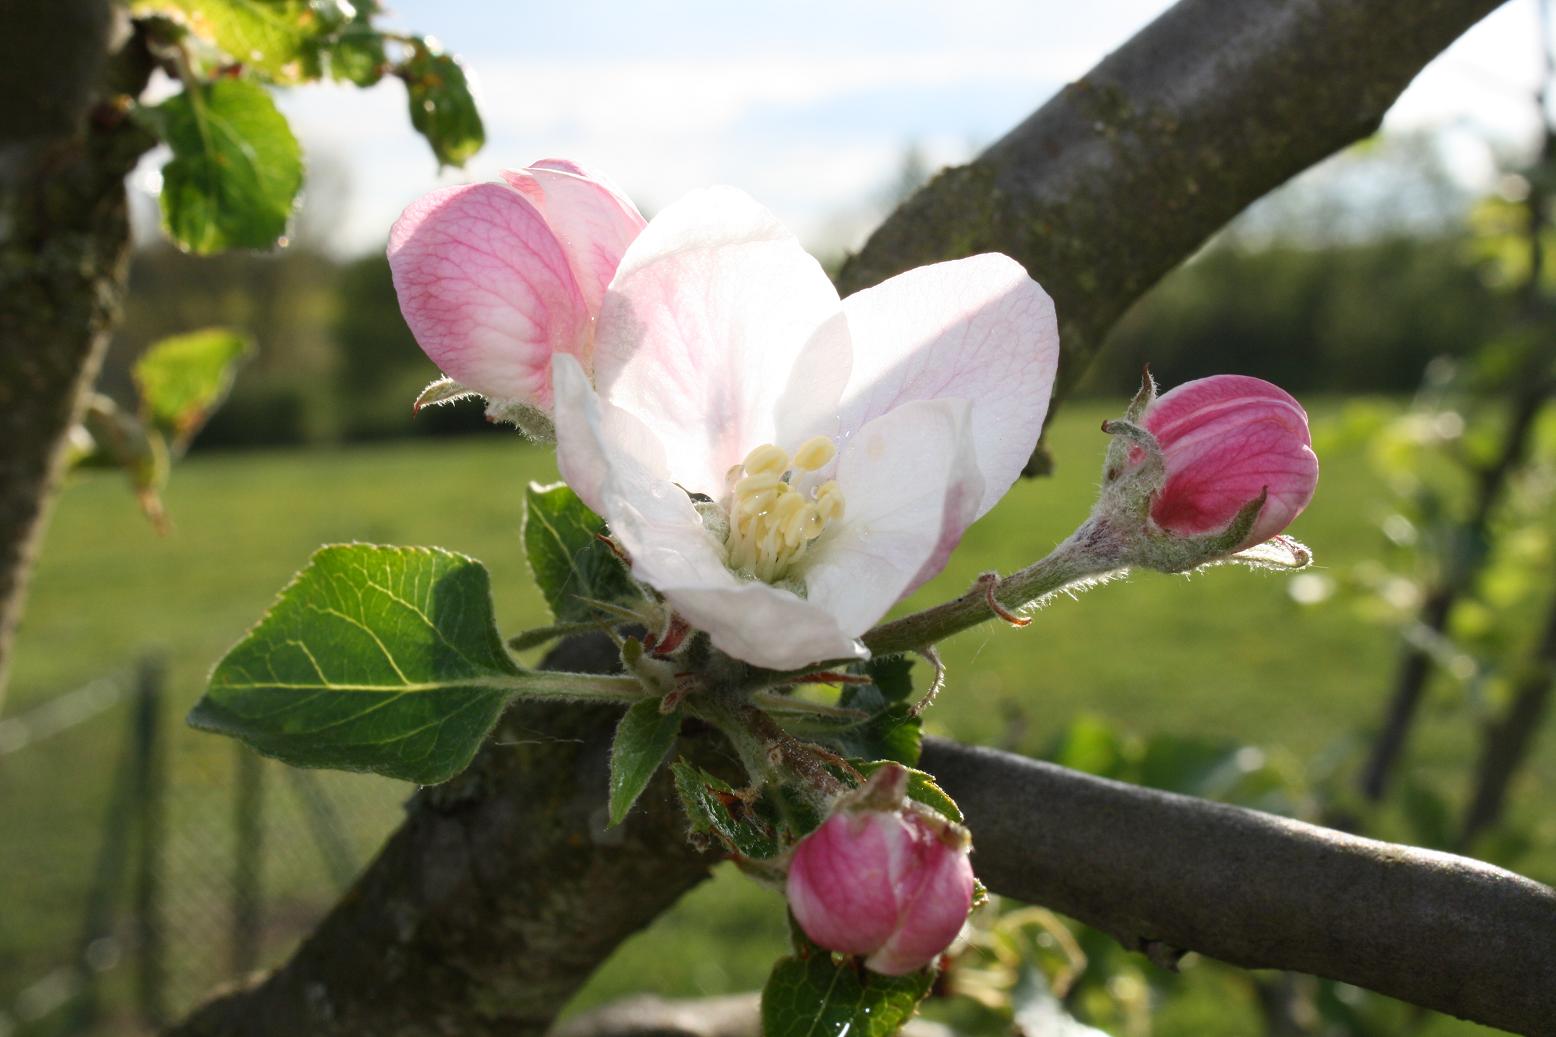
771, 519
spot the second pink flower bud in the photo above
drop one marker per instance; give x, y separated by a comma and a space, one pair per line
1224, 440
890, 885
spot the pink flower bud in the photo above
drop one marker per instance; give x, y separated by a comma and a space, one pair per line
1224, 440
496, 278
890, 885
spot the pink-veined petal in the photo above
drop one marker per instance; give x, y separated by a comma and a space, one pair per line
977, 329
701, 331
594, 222
1225, 439
911, 485
487, 290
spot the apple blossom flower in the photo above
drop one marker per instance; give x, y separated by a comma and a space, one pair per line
891, 884
783, 466
496, 278
1224, 441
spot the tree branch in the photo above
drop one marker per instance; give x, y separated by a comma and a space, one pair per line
1165, 874
65, 251
1131, 168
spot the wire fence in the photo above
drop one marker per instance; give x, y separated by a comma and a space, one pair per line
142, 865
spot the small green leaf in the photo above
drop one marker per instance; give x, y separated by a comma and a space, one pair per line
269, 36
442, 107
184, 378
354, 54
236, 167
643, 739
571, 565
713, 809
808, 995
922, 788
893, 675
382, 659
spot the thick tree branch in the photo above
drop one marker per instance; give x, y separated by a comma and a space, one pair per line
1132, 167
63, 256
1166, 874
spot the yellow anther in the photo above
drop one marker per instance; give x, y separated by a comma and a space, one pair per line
772, 521
767, 459
829, 501
757, 483
814, 453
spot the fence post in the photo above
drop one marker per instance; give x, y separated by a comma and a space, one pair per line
150, 782
248, 824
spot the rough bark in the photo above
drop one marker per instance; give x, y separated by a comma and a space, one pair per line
1131, 168
500, 894
1166, 874
63, 158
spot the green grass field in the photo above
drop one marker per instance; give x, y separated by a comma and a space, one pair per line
1226, 654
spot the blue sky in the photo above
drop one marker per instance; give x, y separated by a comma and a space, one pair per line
808, 105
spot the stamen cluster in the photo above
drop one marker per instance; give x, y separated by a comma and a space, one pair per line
772, 519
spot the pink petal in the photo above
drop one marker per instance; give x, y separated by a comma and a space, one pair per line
933, 904
840, 884
977, 329
701, 332
594, 222
1225, 439
486, 289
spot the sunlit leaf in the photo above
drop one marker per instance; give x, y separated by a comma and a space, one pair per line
382, 659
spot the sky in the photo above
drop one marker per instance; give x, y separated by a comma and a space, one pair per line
809, 105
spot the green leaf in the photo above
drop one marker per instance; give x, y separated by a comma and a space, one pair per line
236, 167
269, 36
643, 740
713, 809
893, 675
808, 995
354, 54
571, 564
922, 788
442, 107
184, 378
382, 659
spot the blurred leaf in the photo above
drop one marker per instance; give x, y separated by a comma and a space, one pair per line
893, 675
714, 809
442, 107
922, 788
121, 439
1092, 746
383, 659
569, 561
270, 36
354, 53
807, 995
643, 739
1428, 814
182, 379
236, 167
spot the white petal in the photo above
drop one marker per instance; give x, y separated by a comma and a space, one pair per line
701, 331
978, 329
616, 466
910, 484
